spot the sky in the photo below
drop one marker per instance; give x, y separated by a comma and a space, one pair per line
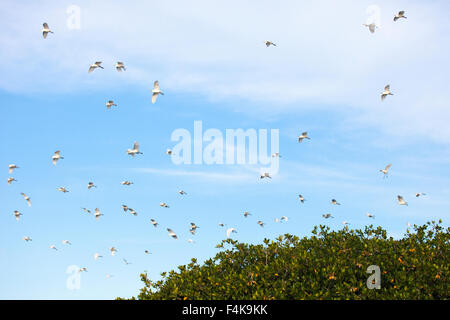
324, 76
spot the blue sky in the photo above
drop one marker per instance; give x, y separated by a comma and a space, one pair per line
325, 76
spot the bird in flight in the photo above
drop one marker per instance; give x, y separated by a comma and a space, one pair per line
27, 198
66, 242
334, 201
133, 212
420, 194
56, 157
230, 231
84, 269
193, 228
284, 218
182, 192
269, 43
11, 168
110, 104
27, 239
156, 91
11, 180
135, 150
95, 65
370, 215
401, 201
276, 155
86, 210
302, 200
371, 27
246, 214
265, 175
190, 241
120, 66
304, 135
386, 170
113, 251
153, 222
46, 30
221, 224
97, 213
126, 183
386, 92
97, 255
91, 185
164, 205
53, 247
147, 252
17, 214
399, 15
328, 215
171, 233
261, 223
63, 189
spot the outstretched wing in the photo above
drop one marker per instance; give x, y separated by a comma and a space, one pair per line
154, 96
388, 166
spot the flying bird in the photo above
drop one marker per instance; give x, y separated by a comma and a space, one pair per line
401, 201
370, 215
135, 150
302, 200
11, 168
86, 210
154, 223
230, 231
97, 213
91, 185
97, 255
420, 194
120, 66
168, 152
147, 252
276, 155
27, 198
269, 43
133, 212
284, 218
53, 247
261, 223
182, 192
66, 242
84, 269
110, 104
246, 214
386, 92
164, 205
63, 189
17, 214
328, 215
11, 180
334, 201
371, 27
221, 224
172, 234
113, 251
126, 183
27, 239
304, 135
46, 30
56, 157
386, 170
156, 91
399, 15
265, 175
95, 65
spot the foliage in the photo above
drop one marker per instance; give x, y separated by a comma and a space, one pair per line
327, 265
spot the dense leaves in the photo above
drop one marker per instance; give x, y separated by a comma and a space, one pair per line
327, 265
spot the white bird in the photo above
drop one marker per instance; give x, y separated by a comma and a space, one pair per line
120, 66
386, 170
11, 168
156, 91
284, 218
97, 213
168, 152
66, 242
133, 212
46, 30
386, 92
154, 223
53, 247
91, 185
84, 269
63, 189
265, 175
261, 223
193, 228
182, 192
27, 198
334, 201
276, 155
164, 205
172, 234
420, 194
56, 157
135, 150
27, 239
17, 214
277, 220
113, 251
304, 135
246, 214
269, 43
190, 241
230, 231
371, 27
370, 215
399, 15
402, 201
328, 215
11, 180
97, 255
126, 183
95, 65
302, 200
110, 104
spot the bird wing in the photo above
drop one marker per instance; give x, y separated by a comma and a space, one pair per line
45, 25
136, 145
400, 198
154, 96
372, 28
98, 63
91, 68
44, 34
388, 166
387, 87
401, 13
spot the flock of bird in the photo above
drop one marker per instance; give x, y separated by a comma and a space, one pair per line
135, 150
